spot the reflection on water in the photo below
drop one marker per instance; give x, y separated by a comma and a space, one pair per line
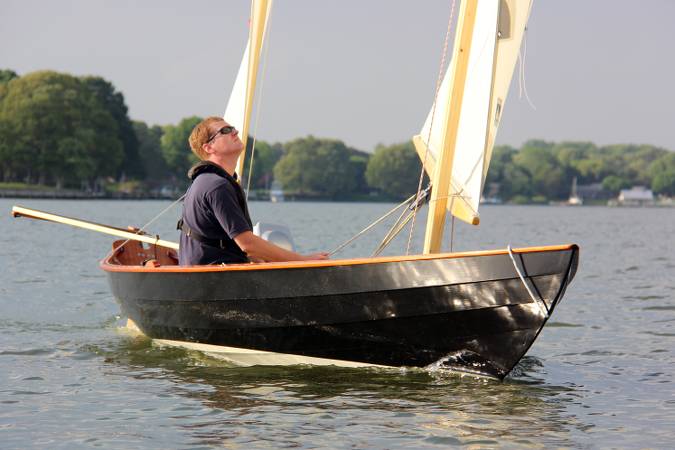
437, 407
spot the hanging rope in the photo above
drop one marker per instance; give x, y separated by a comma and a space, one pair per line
538, 301
522, 86
249, 176
433, 113
452, 232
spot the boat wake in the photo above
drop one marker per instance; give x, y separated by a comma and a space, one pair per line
463, 362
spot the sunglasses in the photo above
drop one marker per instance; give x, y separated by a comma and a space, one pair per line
224, 131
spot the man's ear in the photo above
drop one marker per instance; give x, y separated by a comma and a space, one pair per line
207, 148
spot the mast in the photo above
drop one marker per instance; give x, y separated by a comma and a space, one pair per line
443, 165
240, 105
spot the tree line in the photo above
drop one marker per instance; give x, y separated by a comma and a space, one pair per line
541, 170
74, 132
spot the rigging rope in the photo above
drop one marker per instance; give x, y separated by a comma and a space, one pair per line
431, 124
362, 232
418, 202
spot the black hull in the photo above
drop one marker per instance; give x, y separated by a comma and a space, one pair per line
472, 311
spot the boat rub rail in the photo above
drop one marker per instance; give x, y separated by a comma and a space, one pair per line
109, 264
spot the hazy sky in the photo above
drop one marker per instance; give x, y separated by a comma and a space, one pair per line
363, 71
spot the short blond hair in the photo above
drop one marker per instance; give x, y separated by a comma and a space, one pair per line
200, 135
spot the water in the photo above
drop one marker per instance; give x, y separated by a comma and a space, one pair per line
600, 375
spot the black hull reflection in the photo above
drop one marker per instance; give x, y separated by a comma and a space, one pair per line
470, 313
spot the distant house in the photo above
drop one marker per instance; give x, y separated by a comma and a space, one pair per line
592, 191
276, 192
636, 196
491, 194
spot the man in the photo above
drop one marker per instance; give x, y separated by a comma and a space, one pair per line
216, 226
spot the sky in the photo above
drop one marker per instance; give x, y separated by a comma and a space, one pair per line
363, 71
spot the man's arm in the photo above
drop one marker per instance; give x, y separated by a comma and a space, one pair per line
260, 250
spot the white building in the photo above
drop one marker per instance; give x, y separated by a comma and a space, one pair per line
636, 196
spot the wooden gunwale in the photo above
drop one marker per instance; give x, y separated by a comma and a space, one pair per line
110, 266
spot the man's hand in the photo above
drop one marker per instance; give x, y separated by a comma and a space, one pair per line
316, 256
259, 250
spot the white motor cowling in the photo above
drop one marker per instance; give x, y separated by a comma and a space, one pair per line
276, 234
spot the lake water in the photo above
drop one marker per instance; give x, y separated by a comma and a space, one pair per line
602, 373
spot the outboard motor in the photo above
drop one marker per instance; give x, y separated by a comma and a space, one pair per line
276, 234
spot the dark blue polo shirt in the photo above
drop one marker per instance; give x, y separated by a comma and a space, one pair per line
214, 208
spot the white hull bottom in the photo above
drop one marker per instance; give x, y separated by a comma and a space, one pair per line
246, 357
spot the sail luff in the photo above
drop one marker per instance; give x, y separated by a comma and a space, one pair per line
443, 164
259, 15
461, 206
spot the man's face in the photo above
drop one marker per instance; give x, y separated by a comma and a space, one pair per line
224, 139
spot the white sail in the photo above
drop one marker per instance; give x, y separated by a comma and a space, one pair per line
240, 105
236, 106
497, 34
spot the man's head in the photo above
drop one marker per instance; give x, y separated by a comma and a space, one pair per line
214, 136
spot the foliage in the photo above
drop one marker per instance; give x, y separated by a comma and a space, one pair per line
614, 184
662, 171
56, 131
265, 158
113, 102
150, 151
65, 131
176, 149
317, 168
395, 170
547, 169
7, 75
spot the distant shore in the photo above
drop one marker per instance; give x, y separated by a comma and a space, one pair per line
67, 194
73, 194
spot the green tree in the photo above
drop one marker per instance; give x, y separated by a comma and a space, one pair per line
502, 156
548, 177
176, 148
316, 167
150, 152
6, 75
395, 170
265, 158
662, 172
43, 115
637, 159
614, 183
516, 182
575, 159
359, 162
113, 101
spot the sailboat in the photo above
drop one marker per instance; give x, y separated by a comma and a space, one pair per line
474, 311
574, 199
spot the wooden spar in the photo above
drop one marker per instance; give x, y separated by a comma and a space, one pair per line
443, 167
259, 16
18, 211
